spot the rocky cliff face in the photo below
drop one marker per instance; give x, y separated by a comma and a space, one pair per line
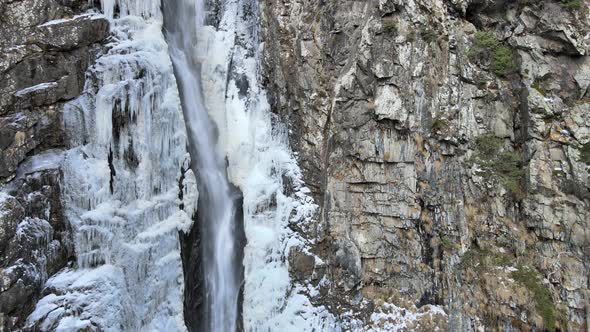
447, 143
45, 49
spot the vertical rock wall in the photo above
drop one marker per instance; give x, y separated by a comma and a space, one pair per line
447, 144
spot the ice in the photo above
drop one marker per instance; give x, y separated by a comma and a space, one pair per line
96, 295
35, 230
121, 172
73, 324
142, 8
50, 159
179, 221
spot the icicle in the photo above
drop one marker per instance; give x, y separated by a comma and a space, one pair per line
120, 186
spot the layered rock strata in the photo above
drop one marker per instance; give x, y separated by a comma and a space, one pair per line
445, 142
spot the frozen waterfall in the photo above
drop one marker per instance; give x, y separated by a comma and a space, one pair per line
131, 196
127, 189
260, 163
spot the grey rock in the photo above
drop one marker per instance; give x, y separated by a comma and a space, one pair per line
384, 109
301, 265
68, 34
36, 243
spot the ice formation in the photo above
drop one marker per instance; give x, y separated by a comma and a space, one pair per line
262, 165
121, 188
218, 219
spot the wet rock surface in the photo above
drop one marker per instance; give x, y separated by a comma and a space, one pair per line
45, 48
444, 142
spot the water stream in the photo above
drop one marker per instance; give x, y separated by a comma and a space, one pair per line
183, 21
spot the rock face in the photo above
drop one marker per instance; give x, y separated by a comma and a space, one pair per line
36, 243
447, 144
45, 51
44, 59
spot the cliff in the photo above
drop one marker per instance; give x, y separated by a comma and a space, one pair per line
447, 144
43, 64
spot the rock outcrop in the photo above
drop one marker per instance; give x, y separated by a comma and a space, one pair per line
45, 53
447, 143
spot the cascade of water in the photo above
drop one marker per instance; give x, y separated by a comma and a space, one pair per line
183, 19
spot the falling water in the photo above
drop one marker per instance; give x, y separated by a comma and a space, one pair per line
183, 21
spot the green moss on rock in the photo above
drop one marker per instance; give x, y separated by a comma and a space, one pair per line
487, 47
439, 124
505, 166
537, 86
544, 305
483, 259
572, 4
389, 27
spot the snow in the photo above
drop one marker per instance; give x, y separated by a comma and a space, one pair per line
73, 324
34, 88
91, 16
4, 197
390, 318
15, 48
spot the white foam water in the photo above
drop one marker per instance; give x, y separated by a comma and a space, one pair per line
185, 19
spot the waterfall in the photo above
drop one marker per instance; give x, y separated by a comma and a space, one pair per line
183, 21
260, 163
131, 196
